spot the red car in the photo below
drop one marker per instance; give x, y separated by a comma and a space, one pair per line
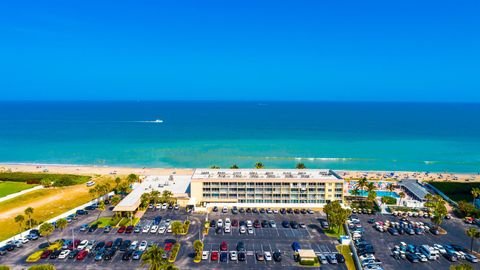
109, 244
74, 245
122, 229
214, 256
234, 223
223, 246
168, 246
129, 229
46, 254
82, 254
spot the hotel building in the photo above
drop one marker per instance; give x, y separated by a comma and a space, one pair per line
269, 187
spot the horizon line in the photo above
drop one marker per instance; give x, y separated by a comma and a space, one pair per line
243, 100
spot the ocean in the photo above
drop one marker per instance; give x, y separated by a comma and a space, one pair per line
433, 137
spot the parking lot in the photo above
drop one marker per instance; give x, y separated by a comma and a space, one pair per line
268, 239
384, 242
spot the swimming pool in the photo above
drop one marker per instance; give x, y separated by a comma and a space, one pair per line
380, 193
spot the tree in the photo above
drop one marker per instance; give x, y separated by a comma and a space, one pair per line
29, 213
4, 267
62, 224
355, 191
390, 187
20, 219
234, 166
401, 195
46, 229
197, 246
167, 196
372, 195
362, 183
155, 196
153, 257
475, 193
436, 205
472, 233
259, 165
42, 267
46, 182
300, 165
336, 215
117, 182
100, 208
93, 192
462, 266
177, 227
132, 178
114, 200
214, 167
370, 187
466, 208
145, 200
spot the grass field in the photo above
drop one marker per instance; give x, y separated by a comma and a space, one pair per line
47, 203
456, 191
8, 187
58, 180
345, 251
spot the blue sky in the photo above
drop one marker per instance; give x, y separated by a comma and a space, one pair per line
240, 50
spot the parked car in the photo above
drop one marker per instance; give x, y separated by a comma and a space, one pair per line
205, 254
121, 229
277, 256
214, 256
81, 255
64, 254
260, 256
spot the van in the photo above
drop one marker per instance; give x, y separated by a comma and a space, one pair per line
429, 252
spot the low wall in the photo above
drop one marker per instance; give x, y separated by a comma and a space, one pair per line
356, 260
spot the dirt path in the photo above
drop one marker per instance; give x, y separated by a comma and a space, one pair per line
11, 213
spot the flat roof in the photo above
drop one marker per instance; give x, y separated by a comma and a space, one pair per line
414, 187
254, 174
179, 185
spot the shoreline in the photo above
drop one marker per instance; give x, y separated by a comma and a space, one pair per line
124, 170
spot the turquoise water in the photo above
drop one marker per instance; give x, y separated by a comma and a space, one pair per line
380, 193
367, 136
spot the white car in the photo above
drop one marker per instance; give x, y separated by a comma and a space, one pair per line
64, 254
220, 223
275, 211
227, 229
243, 229
249, 223
16, 243
158, 206
143, 246
133, 245
162, 230
268, 256
169, 229
154, 229
233, 255
205, 254
423, 258
90, 183
440, 248
146, 229
250, 230
167, 221
24, 240
83, 245
227, 222
164, 206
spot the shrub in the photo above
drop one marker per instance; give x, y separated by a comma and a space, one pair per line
59, 180
173, 255
389, 200
4, 267
186, 226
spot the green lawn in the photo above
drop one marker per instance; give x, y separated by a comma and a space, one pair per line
334, 233
345, 251
456, 191
8, 187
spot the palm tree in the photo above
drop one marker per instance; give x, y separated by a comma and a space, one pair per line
197, 246
20, 219
234, 166
167, 196
155, 196
132, 178
355, 191
114, 200
300, 165
371, 187
390, 187
62, 224
117, 182
29, 213
46, 229
472, 233
177, 227
475, 193
401, 195
100, 208
145, 200
93, 192
153, 257
259, 165
362, 183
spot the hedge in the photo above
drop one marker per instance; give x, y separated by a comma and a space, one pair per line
173, 255
198, 255
206, 228
42, 267
36, 255
186, 226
